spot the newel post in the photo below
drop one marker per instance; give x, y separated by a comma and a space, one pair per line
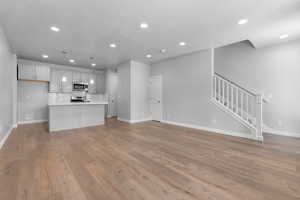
259, 120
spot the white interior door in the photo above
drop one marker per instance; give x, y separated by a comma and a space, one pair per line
156, 97
112, 106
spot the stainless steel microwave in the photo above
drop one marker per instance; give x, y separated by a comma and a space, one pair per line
80, 87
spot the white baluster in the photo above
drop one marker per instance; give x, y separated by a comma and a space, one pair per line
247, 107
237, 101
227, 93
258, 117
219, 89
232, 98
223, 91
242, 103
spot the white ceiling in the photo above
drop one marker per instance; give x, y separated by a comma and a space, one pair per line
89, 26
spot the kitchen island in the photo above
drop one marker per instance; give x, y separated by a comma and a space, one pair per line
67, 115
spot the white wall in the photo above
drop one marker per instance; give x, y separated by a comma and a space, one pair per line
133, 104
32, 101
273, 71
140, 74
8, 95
187, 93
123, 99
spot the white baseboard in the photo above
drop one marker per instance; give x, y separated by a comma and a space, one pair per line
214, 130
134, 121
2, 142
33, 121
267, 129
141, 120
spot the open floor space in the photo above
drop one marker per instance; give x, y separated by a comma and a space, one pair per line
150, 160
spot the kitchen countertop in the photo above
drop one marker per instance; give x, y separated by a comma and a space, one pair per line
77, 103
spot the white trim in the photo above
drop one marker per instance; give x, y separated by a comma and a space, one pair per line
15, 125
33, 121
2, 142
123, 120
214, 130
135, 121
267, 129
141, 120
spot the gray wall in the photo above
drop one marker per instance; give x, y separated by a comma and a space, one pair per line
123, 99
187, 93
32, 101
8, 96
273, 71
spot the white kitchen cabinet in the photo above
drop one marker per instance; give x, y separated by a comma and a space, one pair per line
76, 77
61, 81
42, 73
26, 70
92, 83
85, 77
30, 70
55, 81
66, 81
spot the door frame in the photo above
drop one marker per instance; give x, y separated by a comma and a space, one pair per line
161, 97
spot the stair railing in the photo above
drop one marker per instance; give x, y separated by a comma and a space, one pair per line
241, 103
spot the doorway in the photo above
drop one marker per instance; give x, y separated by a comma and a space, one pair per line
156, 97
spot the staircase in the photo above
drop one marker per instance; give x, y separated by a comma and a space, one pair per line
240, 103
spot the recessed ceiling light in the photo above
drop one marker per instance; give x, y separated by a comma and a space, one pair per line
149, 56
72, 61
45, 56
144, 25
54, 28
284, 36
163, 50
112, 45
182, 43
243, 21
93, 64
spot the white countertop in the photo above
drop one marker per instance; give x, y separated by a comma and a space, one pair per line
77, 103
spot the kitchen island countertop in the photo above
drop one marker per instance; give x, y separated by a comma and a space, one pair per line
77, 103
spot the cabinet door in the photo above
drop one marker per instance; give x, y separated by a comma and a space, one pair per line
85, 77
77, 77
92, 83
66, 81
26, 70
43, 73
55, 81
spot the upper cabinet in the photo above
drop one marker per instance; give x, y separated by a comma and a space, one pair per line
29, 70
43, 73
61, 81
85, 78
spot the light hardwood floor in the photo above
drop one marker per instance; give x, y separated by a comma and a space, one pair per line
150, 161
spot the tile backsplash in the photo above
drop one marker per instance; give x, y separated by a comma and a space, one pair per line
66, 97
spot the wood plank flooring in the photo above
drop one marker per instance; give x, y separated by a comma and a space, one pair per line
146, 161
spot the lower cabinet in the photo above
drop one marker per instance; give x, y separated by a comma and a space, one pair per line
63, 117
